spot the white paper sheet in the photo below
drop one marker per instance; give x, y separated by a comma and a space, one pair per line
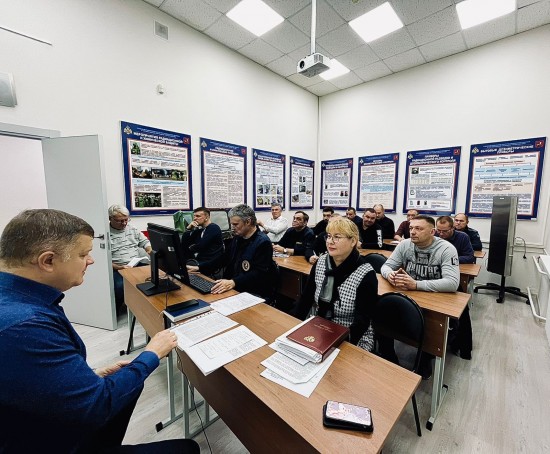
307, 388
242, 340
286, 344
202, 327
288, 353
289, 369
236, 303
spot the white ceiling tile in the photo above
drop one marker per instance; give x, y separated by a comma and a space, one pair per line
374, 71
285, 37
327, 19
261, 52
452, 44
286, 8
223, 6
347, 80
195, 13
305, 50
323, 88
533, 16
395, 43
350, 10
284, 66
405, 60
358, 57
436, 26
304, 81
410, 11
156, 3
490, 31
225, 32
341, 40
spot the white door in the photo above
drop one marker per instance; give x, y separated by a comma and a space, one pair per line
75, 183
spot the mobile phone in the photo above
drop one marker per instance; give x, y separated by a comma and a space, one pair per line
340, 415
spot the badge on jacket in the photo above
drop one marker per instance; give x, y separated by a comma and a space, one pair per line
246, 265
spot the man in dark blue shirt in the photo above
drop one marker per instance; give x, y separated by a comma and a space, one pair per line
461, 225
298, 237
50, 399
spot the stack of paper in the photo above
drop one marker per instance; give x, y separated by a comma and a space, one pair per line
202, 327
228, 306
285, 345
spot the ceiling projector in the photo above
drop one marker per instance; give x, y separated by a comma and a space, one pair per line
312, 65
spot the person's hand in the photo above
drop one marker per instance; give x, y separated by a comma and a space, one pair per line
108, 370
223, 285
192, 225
313, 259
403, 280
277, 248
192, 269
162, 343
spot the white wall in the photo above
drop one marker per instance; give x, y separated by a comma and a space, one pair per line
104, 66
495, 92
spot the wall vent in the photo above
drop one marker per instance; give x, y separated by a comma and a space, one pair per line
161, 30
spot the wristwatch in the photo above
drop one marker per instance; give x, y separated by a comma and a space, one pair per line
284, 250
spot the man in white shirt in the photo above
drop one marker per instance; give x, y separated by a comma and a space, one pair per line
277, 225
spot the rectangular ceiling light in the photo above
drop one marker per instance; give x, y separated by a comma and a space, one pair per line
255, 16
376, 23
337, 69
475, 12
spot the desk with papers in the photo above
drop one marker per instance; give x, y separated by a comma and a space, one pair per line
267, 417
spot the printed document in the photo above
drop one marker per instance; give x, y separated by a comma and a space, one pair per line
201, 327
232, 304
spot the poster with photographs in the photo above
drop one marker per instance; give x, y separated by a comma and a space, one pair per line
512, 168
157, 170
223, 174
336, 183
302, 177
269, 179
377, 182
431, 181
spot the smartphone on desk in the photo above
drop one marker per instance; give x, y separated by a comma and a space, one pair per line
339, 415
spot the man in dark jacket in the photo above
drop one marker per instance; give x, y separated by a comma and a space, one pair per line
461, 224
322, 224
296, 238
370, 232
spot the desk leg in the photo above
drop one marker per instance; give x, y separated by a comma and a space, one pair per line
131, 325
439, 390
189, 405
171, 399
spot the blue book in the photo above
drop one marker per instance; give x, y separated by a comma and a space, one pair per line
186, 309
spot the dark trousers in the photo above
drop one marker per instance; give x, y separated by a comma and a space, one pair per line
463, 339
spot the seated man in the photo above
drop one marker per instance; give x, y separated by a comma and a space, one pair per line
296, 238
422, 262
249, 265
388, 228
322, 224
204, 241
402, 232
461, 224
50, 399
126, 240
370, 232
351, 214
319, 245
276, 226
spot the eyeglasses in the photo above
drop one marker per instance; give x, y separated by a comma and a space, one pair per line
444, 231
334, 238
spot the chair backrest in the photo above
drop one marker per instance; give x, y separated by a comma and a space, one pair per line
398, 317
221, 218
275, 283
376, 261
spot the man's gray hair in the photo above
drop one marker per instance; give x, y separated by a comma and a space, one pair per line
276, 204
33, 232
244, 212
118, 209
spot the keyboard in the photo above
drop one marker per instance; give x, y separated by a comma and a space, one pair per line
200, 284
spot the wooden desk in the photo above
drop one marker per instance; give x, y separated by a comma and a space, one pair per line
436, 307
479, 254
268, 418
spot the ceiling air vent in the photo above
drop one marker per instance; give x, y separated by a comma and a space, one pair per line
161, 30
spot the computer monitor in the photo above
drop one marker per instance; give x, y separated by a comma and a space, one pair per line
166, 255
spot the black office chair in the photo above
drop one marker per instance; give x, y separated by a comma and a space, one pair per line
398, 317
376, 261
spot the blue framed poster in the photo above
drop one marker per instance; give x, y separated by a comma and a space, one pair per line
269, 179
157, 170
377, 181
302, 179
223, 174
512, 168
431, 181
336, 178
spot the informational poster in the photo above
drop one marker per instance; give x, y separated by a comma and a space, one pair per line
336, 183
269, 179
157, 170
223, 174
302, 177
512, 168
431, 181
377, 181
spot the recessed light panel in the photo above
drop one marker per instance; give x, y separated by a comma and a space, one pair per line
337, 69
475, 12
255, 16
376, 23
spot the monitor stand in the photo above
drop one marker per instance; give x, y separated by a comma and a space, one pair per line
150, 289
